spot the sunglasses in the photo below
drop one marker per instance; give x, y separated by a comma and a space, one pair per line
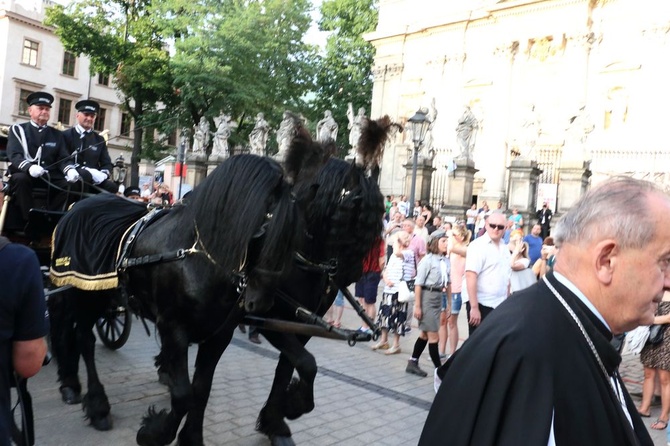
498, 227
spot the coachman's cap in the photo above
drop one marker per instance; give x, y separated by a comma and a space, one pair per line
87, 106
40, 98
132, 191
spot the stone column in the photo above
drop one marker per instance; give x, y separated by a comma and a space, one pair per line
459, 198
522, 188
213, 162
573, 182
196, 168
424, 173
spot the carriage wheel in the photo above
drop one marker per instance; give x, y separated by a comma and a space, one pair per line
114, 327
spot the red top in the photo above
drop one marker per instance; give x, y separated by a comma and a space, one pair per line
371, 261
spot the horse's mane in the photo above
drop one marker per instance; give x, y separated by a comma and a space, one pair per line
232, 204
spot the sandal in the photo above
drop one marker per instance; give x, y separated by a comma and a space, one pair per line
381, 346
644, 415
659, 425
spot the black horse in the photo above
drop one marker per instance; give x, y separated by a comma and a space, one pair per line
233, 237
342, 224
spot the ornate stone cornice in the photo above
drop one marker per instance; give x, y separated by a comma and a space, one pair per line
387, 71
657, 32
586, 41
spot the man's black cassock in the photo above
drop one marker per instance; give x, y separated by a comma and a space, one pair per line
527, 360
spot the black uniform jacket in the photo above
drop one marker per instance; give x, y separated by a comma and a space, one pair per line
89, 151
526, 362
54, 156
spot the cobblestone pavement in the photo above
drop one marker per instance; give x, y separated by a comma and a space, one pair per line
362, 397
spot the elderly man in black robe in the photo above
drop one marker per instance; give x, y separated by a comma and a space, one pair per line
540, 370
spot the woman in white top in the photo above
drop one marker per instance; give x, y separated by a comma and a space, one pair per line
522, 276
393, 314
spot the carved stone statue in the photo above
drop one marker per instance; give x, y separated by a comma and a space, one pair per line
432, 116
529, 133
201, 136
579, 127
224, 126
355, 125
326, 129
466, 133
258, 137
286, 132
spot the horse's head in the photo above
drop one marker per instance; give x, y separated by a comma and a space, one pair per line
345, 217
272, 248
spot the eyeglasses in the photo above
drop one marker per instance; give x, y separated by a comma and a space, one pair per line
498, 227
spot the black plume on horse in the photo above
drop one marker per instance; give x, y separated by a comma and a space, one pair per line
238, 230
341, 226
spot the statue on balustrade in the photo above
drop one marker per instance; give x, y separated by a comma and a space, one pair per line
258, 138
326, 128
466, 133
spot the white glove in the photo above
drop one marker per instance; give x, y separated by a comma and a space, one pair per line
36, 171
98, 177
72, 176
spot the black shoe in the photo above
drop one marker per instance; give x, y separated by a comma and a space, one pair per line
255, 339
70, 396
242, 328
413, 368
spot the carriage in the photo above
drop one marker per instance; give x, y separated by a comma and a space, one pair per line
114, 326
294, 235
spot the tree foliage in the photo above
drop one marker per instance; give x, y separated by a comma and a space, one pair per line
120, 38
345, 71
239, 57
175, 61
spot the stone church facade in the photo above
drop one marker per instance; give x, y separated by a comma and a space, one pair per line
601, 63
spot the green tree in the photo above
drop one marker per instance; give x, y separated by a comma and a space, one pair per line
345, 71
120, 38
238, 57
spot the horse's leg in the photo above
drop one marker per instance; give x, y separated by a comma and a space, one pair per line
271, 418
160, 428
298, 397
64, 345
89, 308
209, 354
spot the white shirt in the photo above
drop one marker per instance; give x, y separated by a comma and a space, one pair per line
492, 265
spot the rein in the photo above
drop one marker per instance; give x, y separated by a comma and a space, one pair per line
304, 263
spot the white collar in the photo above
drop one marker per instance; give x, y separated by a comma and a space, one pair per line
571, 286
81, 129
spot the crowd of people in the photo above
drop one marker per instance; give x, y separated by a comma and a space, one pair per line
479, 261
541, 319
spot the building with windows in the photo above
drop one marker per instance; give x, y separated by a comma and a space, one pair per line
34, 59
569, 84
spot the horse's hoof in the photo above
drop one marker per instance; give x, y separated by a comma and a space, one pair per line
277, 440
102, 424
70, 396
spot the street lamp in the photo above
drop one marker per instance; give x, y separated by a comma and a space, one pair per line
418, 124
